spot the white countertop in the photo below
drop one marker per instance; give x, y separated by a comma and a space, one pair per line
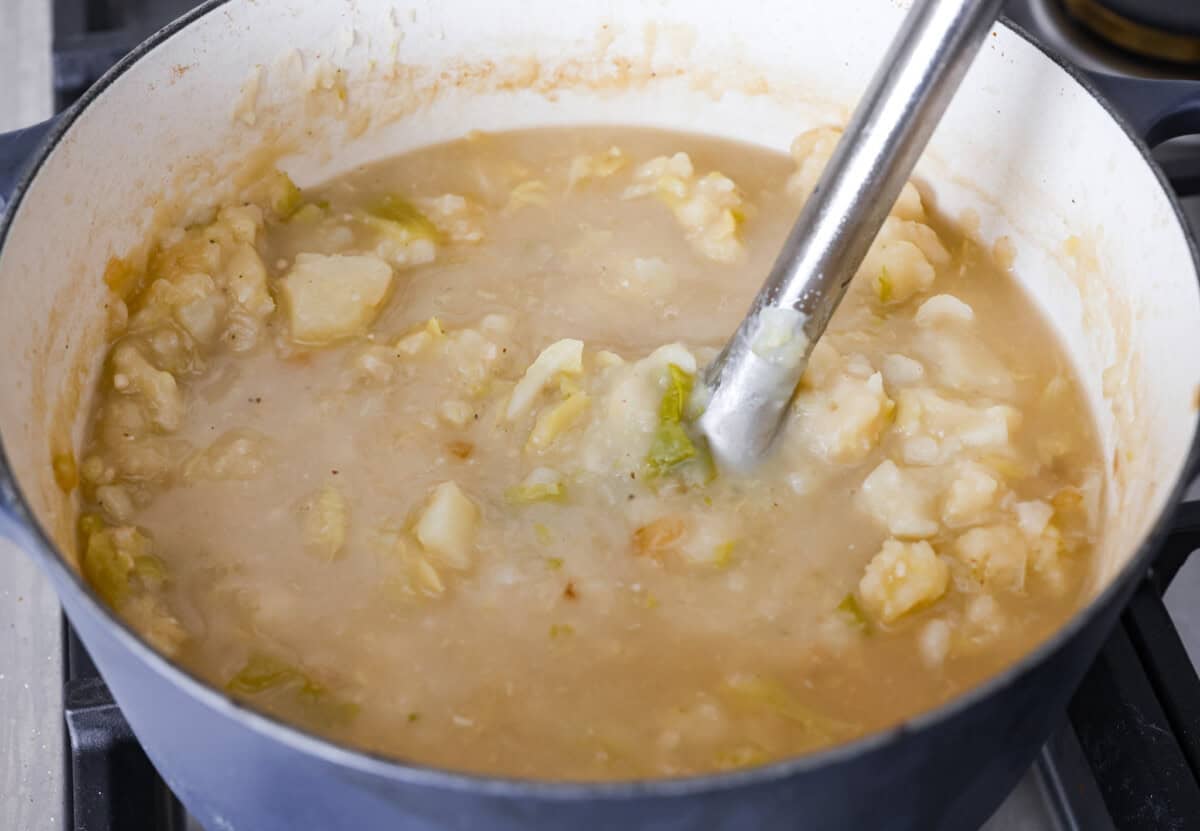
31, 731
25, 91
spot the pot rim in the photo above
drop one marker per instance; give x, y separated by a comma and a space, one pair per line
32, 537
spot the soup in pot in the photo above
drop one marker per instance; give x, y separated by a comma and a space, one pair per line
410, 459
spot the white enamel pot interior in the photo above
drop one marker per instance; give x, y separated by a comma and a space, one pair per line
1024, 153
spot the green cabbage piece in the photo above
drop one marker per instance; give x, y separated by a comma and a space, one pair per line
536, 492
117, 561
884, 286
394, 214
850, 609
758, 692
286, 197
674, 400
673, 447
263, 672
308, 213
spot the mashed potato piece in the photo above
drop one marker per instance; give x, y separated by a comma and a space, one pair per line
902, 577
329, 298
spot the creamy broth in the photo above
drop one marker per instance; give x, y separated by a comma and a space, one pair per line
408, 459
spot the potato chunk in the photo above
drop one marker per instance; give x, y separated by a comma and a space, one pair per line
473, 357
595, 166
943, 309
997, 555
1033, 517
625, 415
1036, 521
964, 363
326, 521
244, 221
843, 421
952, 425
554, 421
811, 151
709, 209
132, 373
447, 527
917, 233
902, 577
563, 356
900, 500
902, 261
407, 237
934, 643
896, 270
334, 297
457, 218
901, 370
246, 277
971, 496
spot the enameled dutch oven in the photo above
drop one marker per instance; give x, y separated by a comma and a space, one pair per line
1027, 152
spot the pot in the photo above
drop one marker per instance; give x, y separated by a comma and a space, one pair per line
1027, 153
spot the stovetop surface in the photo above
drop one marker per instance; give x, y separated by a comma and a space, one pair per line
1059, 792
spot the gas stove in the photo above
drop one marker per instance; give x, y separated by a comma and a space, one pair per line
1126, 755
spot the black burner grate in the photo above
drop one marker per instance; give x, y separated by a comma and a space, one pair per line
109, 784
1137, 713
92, 35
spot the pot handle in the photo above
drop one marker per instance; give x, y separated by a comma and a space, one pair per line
16, 149
1158, 109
